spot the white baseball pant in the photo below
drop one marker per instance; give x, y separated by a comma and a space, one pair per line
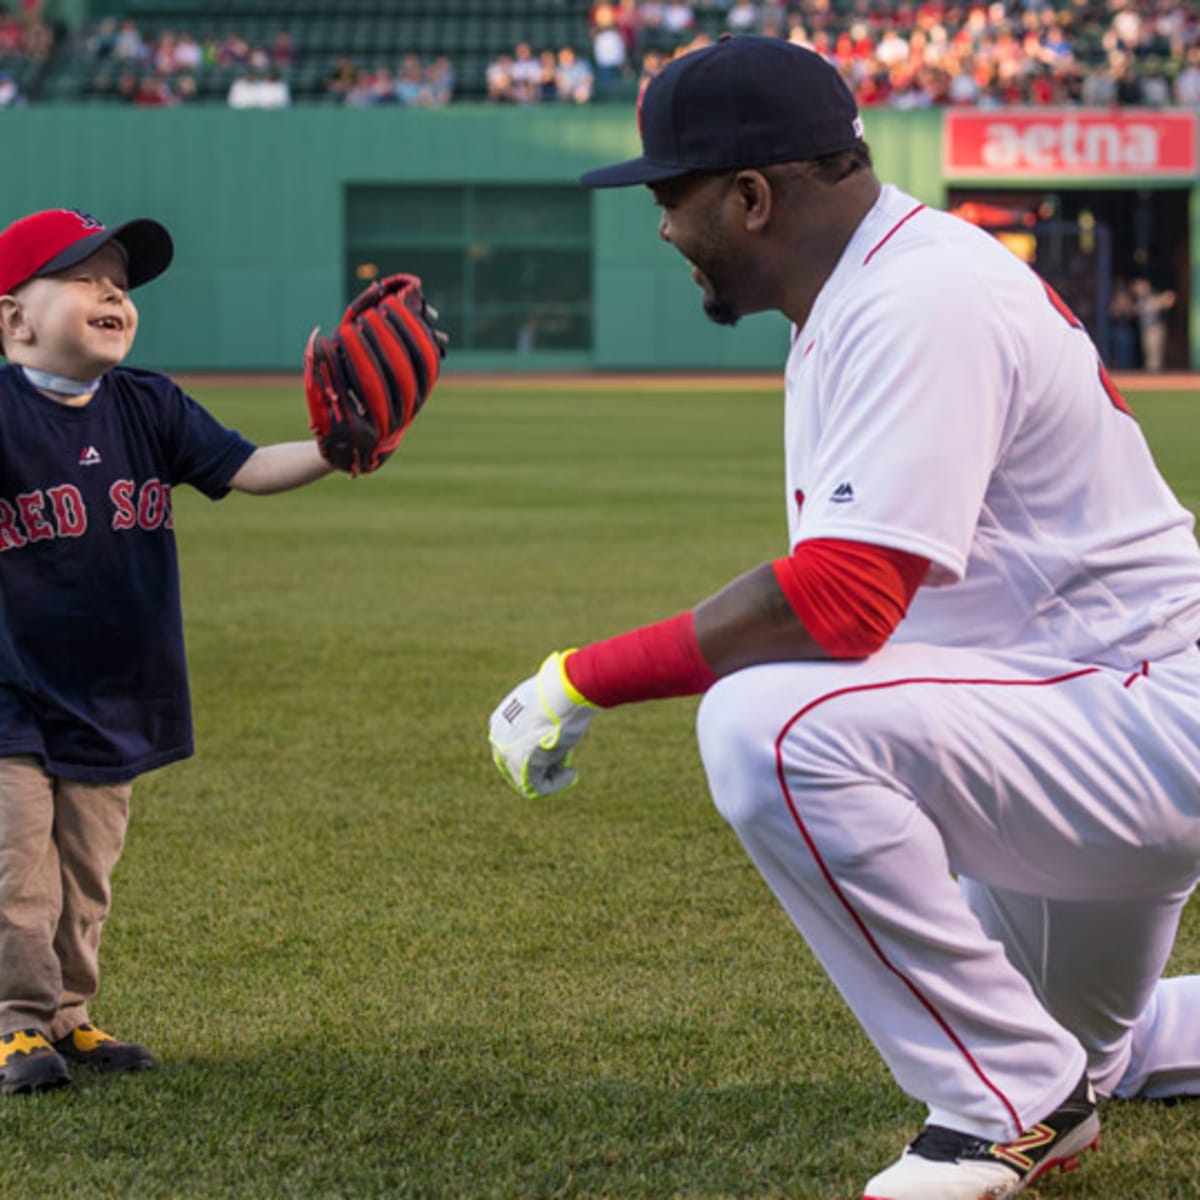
989, 854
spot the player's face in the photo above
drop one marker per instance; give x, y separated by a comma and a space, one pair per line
81, 320
693, 214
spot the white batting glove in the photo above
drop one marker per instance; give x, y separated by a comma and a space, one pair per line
535, 729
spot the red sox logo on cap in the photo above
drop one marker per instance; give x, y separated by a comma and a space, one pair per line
55, 239
85, 219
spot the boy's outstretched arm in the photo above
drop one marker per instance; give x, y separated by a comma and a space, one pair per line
280, 467
364, 385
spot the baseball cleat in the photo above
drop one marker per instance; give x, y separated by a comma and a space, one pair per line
92, 1047
942, 1164
28, 1063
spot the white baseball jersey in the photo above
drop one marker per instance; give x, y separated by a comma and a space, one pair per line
987, 830
984, 437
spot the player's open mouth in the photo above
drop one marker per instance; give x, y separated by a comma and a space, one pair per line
114, 324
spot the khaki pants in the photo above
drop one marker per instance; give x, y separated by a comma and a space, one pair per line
59, 843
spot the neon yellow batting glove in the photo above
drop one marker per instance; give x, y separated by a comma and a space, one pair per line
536, 727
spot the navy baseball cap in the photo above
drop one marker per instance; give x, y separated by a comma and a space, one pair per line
744, 101
44, 243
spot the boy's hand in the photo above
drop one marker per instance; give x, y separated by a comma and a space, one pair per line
366, 381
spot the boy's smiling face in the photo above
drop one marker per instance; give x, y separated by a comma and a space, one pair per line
77, 323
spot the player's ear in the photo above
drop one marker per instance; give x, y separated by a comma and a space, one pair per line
14, 327
755, 197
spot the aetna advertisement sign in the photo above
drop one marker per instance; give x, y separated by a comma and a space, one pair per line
1069, 142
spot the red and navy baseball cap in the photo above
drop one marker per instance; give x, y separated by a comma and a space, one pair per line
744, 101
44, 243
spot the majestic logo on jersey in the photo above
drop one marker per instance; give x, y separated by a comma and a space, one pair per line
799, 500
89, 456
843, 493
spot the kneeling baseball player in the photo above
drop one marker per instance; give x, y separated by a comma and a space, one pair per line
93, 681
957, 725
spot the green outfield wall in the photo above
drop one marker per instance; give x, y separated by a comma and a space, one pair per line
278, 216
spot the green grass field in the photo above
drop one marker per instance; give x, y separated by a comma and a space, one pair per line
366, 968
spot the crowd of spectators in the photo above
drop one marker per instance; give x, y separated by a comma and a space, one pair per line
170, 52
414, 83
162, 70
922, 53
24, 33
903, 54
525, 78
25, 39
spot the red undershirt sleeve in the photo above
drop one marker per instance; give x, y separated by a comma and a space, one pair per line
850, 596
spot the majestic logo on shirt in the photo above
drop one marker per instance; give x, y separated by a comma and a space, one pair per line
843, 493
89, 456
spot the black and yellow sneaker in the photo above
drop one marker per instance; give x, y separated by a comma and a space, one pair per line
943, 1164
92, 1047
28, 1063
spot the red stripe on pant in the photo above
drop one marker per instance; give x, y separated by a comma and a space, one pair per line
861, 925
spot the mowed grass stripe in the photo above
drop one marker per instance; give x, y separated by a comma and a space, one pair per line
367, 969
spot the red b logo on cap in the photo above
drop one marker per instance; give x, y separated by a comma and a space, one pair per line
85, 219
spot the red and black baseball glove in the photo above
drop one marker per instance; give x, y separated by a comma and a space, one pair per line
368, 379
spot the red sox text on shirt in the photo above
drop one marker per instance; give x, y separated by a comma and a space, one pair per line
60, 512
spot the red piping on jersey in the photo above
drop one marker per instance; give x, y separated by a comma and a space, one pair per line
921, 999
1144, 669
880, 244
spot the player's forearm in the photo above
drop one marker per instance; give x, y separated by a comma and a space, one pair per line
828, 599
751, 621
280, 467
684, 655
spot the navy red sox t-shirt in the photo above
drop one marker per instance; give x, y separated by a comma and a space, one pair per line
93, 679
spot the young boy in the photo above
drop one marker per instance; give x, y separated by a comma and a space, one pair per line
93, 683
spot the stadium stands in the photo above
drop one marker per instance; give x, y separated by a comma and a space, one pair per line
909, 53
372, 34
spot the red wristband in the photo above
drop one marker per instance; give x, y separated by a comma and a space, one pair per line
651, 663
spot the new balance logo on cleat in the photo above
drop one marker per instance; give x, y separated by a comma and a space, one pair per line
943, 1164
89, 456
843, 493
